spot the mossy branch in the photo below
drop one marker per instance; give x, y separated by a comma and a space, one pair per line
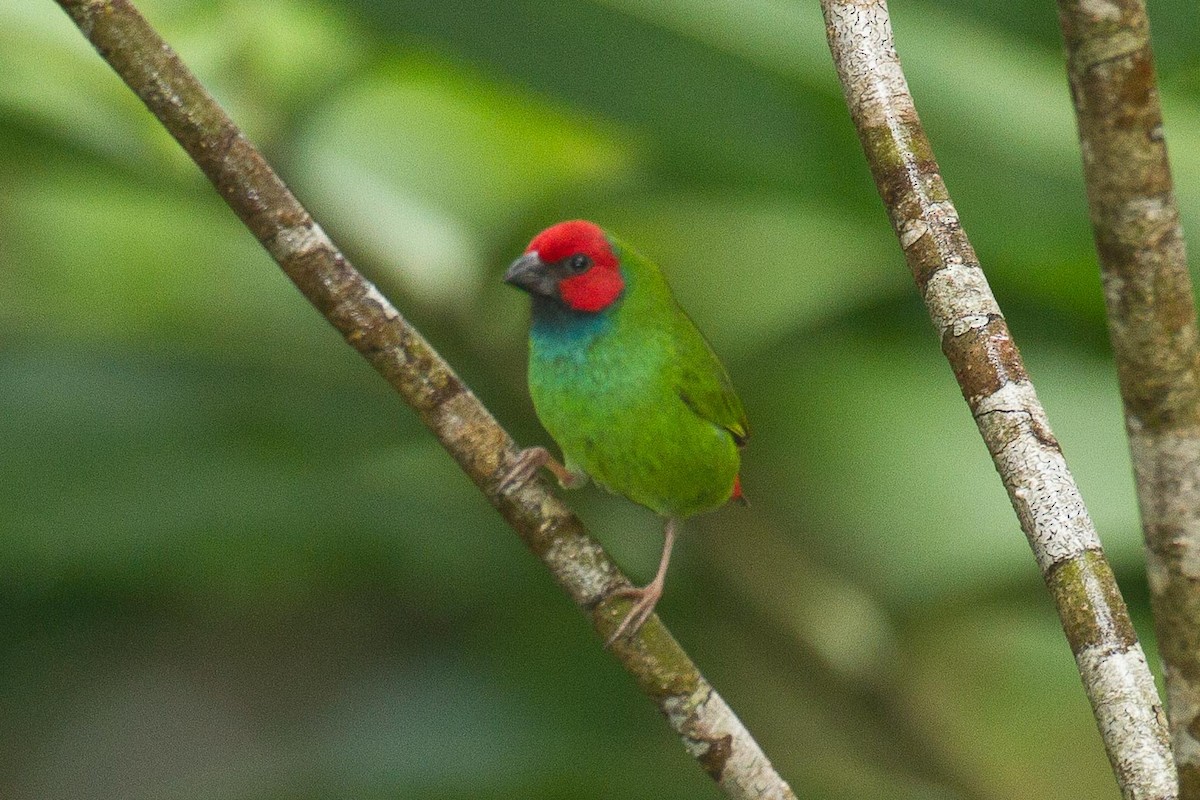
1152, 324
711, 732
990, 372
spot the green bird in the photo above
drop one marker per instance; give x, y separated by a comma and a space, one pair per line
626, 385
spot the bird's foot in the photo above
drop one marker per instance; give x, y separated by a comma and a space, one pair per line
526, 465
646, 598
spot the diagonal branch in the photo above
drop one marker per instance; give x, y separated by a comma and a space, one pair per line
710, 731
980, 349
1152, 324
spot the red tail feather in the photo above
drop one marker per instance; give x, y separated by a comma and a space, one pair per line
737, 491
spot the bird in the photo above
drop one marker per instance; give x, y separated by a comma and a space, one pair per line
627, 386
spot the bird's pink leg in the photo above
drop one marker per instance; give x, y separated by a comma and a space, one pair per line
647, 596
528, 462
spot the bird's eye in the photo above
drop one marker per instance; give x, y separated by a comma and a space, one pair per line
579, 263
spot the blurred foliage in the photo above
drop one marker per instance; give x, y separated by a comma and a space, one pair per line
235, 566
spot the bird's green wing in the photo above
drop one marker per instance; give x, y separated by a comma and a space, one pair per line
704, 384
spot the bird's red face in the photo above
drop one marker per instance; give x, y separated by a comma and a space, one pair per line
573, 263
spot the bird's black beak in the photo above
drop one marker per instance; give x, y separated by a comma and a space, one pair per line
529, 273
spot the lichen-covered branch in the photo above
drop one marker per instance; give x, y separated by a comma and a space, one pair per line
1152, 324
711, 732
977, 343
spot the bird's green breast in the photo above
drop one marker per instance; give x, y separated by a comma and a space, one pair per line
606, 387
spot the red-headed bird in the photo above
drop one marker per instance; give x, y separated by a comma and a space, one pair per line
626, 385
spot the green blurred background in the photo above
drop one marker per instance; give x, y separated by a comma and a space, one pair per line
232, 563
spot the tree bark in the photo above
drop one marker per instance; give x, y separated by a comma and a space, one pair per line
976, 341
1152, 325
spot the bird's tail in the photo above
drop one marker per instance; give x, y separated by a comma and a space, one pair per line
737, 496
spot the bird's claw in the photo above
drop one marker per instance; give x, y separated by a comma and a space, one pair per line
524, 467
647, 598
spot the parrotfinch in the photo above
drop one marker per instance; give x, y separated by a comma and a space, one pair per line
626, 385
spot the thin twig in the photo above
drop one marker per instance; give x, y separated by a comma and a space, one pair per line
711, 732
1152, 324
977, 343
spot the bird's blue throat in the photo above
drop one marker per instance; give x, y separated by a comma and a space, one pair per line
560, 332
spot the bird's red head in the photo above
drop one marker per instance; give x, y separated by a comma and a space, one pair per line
572, 262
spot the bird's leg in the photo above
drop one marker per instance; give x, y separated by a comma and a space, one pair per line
647, 596
528, 462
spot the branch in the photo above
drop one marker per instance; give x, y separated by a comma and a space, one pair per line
977, 343
711, 732
1152, 324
